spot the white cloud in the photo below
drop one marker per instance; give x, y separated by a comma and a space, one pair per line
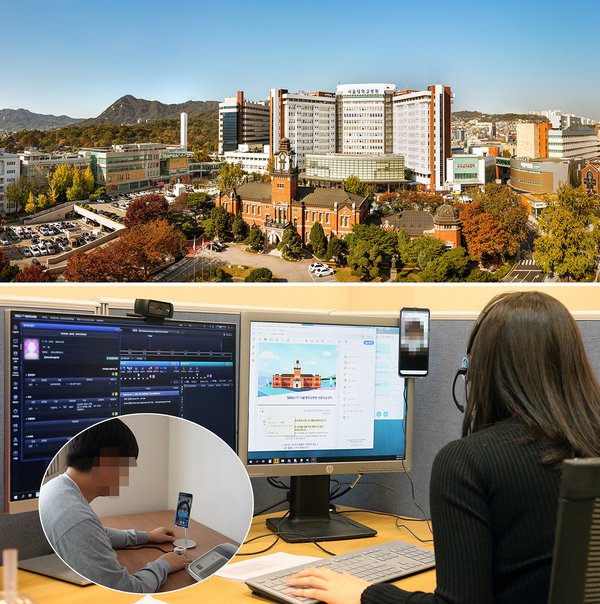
268, 354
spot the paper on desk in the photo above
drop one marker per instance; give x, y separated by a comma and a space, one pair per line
150, 600
247, 569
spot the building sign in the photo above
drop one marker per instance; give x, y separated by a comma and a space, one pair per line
364, 89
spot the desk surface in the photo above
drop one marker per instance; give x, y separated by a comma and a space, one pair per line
49, 591
134, 559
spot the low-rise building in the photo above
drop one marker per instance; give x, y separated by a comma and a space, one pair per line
10, 172
123, 168
337, 167
276, 206
573, 142
251, 160
37, 166
542, 176
465, 170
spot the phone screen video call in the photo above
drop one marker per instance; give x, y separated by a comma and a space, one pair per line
183, 510
414, 342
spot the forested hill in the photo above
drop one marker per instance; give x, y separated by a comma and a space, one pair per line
130, 110
12, 120
498, 117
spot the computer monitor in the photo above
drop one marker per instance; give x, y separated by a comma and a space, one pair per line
66, 372
321, 395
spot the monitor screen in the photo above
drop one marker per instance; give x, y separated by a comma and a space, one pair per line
68, 372
322, 395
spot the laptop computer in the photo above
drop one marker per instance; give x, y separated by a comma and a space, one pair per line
52, 566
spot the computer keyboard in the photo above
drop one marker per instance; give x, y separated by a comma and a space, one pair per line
376, 564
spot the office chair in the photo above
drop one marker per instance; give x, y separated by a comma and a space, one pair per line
575, 575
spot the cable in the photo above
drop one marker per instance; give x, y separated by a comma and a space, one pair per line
278, 536
412, 491
269, 508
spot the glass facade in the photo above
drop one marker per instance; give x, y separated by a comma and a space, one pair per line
230, 130
376, 169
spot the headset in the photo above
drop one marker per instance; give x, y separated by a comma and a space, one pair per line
464, 366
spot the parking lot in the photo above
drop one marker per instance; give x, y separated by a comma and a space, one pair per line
23, 244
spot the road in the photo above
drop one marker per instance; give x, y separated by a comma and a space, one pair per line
526, 271
234, 254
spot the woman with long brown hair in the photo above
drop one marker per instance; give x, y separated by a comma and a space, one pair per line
532, 401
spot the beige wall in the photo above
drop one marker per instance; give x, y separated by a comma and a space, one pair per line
441, 299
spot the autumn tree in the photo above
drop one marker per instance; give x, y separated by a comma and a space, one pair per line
230, 176
76, 191
152, 244
7, 270
111, 263
60, 181
570, 236
34, 273
353, 184
291, 244
31, 205
17, 194
495, 210
88, 181
318, 240
145, 209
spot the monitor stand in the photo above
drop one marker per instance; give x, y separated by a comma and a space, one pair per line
310, 519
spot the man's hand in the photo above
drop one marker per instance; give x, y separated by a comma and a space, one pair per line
176, 561
328, 586
160, 535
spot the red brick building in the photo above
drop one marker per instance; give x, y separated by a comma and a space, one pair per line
274, 206
444, 225
590, 177
296, 379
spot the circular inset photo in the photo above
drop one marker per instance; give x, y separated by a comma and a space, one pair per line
146, 503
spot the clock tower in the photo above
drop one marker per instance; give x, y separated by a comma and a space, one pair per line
284, 177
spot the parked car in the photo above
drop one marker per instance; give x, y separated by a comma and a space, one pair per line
36, 262
324, 271
26, 252
35, 250
215, 246
4, 240
316, 265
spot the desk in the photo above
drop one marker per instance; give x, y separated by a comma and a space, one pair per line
49, 591
134, 559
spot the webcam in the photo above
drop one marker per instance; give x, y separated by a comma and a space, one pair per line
153, 309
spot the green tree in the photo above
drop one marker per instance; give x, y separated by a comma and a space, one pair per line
220, 217
336, 249
421, 251
255, 240
479, 276
291, 244
260, 275
318, 240
17, 194
451, 266
239, 228
230, 176
570, 237
209, 228
370, 248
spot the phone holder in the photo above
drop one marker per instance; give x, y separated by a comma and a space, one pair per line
185, 542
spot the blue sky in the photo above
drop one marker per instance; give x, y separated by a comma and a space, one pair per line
76, 57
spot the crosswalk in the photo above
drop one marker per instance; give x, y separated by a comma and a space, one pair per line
528, 262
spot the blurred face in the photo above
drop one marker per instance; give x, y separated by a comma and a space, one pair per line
111, 471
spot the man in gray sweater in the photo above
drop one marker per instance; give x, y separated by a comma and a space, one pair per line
98, 461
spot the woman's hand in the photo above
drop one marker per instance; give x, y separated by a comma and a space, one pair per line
328, 586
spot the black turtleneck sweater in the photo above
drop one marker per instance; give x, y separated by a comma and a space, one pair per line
493, 509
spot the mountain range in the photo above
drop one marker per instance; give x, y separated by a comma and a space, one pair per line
12, 120
127, 110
